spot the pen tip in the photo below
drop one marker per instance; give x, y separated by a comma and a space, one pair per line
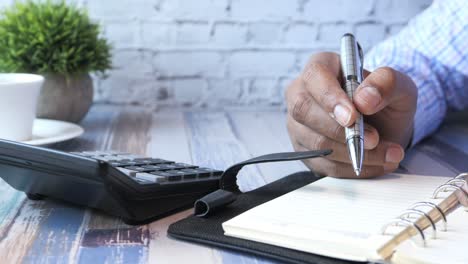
357, 171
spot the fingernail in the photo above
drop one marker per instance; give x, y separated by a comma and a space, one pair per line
370, 95
388, 167
394, 155
341, 114
371, 136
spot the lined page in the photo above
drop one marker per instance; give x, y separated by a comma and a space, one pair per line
346, 209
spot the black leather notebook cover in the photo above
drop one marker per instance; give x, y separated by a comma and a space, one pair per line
210, 232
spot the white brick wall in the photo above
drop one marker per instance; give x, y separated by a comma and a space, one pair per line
213, 53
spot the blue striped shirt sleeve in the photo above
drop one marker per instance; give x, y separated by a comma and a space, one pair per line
433, 51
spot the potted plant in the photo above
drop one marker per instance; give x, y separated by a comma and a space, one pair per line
60, 42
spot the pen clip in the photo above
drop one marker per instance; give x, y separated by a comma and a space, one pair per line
361, 53
361, 59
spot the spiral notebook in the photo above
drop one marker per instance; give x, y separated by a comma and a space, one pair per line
397, 217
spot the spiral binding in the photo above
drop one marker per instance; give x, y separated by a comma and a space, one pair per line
407, 213
455, 184
438, 209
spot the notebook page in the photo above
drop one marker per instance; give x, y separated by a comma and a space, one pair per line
330, 210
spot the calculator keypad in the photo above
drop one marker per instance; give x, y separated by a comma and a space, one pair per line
152, 170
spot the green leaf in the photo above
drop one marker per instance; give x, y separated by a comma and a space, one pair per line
51, 36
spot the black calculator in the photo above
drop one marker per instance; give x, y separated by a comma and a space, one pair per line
137, 189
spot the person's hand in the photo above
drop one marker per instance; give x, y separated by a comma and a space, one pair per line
319, 109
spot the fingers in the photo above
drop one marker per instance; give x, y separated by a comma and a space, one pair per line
385, 153
318, 109
343, 170
307, 112
381, 88
324, 126
331, 168
320, 78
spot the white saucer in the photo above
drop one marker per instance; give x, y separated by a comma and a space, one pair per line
46, 131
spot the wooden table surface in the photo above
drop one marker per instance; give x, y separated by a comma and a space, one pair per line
54, 232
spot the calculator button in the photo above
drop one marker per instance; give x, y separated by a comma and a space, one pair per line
170, 176
185, 166
126, 160
175, 172
190, 171
136, 168
154, 161
143, 160
161, 173
141, 181
127, 172
151, 167
175, 166
174, 177
128, 163
167, 166
217, 173
189, 174
150, 177
115, 164
207, 172
203, 173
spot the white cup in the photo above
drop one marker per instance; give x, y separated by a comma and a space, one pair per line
18, 100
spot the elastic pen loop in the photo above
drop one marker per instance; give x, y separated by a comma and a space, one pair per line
228, 180
228, 183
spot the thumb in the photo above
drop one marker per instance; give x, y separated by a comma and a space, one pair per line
382, 87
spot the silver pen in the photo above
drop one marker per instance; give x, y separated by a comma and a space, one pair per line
352, 58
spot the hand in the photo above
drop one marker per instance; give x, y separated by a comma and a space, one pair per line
319, 109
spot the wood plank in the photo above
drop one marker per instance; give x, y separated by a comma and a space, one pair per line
215, 144
261, 137
114, 255
10, 203
169, 140
107, 239
36, 219
57, 234
99, 125
20, 234
168, 137
60, 229
276, 121
163, 249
